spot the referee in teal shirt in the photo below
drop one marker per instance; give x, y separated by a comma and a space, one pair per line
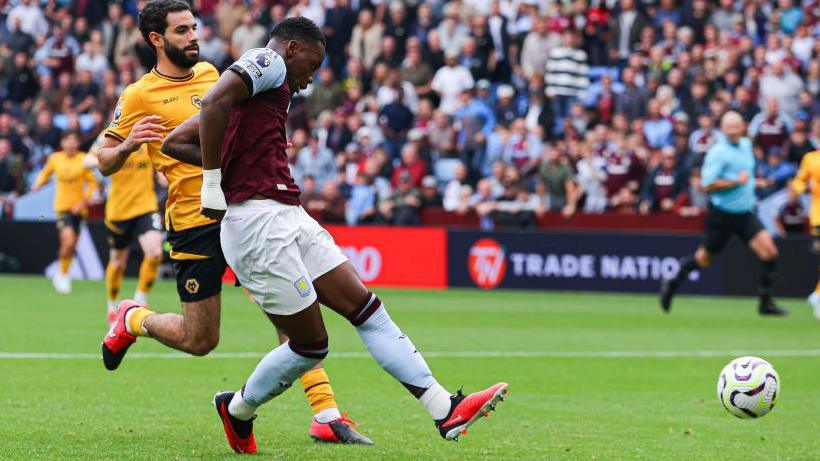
728, 176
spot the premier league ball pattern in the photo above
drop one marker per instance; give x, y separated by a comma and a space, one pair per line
748, 387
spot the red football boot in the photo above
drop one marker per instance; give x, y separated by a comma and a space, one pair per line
238, 432
342, 430
118, 340
467, 409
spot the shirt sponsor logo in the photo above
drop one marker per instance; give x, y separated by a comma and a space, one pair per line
486, 263
257, 72
170, 100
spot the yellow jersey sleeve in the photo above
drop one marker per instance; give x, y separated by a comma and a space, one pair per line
45, 173
130, 109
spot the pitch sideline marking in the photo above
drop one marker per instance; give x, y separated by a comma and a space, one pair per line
444, 354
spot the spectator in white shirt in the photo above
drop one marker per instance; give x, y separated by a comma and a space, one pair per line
32, 20
450, 81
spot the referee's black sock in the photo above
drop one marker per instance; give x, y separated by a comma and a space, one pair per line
687, 265
767, 276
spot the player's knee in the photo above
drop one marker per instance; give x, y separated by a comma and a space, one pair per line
315, 350
154, 255
117, 263
203, 345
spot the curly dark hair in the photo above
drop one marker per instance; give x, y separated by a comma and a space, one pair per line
297, 28
154, 17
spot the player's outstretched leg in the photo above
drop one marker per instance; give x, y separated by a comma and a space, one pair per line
395, 352
196, 331
341, 290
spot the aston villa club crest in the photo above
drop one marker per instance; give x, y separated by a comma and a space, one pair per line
196, 101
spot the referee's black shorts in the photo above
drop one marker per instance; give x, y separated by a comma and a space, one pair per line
721, 226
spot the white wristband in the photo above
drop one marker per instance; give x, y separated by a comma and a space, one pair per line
211, 194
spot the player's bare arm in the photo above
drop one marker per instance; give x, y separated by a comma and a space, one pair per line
183, 143
226, 94
114, 153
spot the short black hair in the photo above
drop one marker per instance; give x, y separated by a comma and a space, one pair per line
297, 28
154, 16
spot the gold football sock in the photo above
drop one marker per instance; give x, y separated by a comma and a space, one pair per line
113, 281
135, 318
148, 273
318, 390
65, 263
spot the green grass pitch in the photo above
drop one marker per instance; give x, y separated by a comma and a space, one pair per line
586, 381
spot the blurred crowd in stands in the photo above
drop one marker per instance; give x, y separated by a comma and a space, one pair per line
506, 109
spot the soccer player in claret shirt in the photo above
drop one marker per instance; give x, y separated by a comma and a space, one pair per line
160, 101
75, 186
809, 176
284, 258
728, 176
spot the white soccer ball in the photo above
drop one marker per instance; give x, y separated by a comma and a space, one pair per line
748, 387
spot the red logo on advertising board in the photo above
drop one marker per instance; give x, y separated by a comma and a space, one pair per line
395, 256
487, 263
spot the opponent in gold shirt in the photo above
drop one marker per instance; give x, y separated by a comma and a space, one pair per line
810, 171
75, 184
175, 100
809, 176
130, 216
132, 192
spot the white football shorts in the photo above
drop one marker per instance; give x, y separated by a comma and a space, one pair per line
277, 251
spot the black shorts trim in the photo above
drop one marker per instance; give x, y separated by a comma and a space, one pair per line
198, 262
720, 226
122, 233
67, 218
